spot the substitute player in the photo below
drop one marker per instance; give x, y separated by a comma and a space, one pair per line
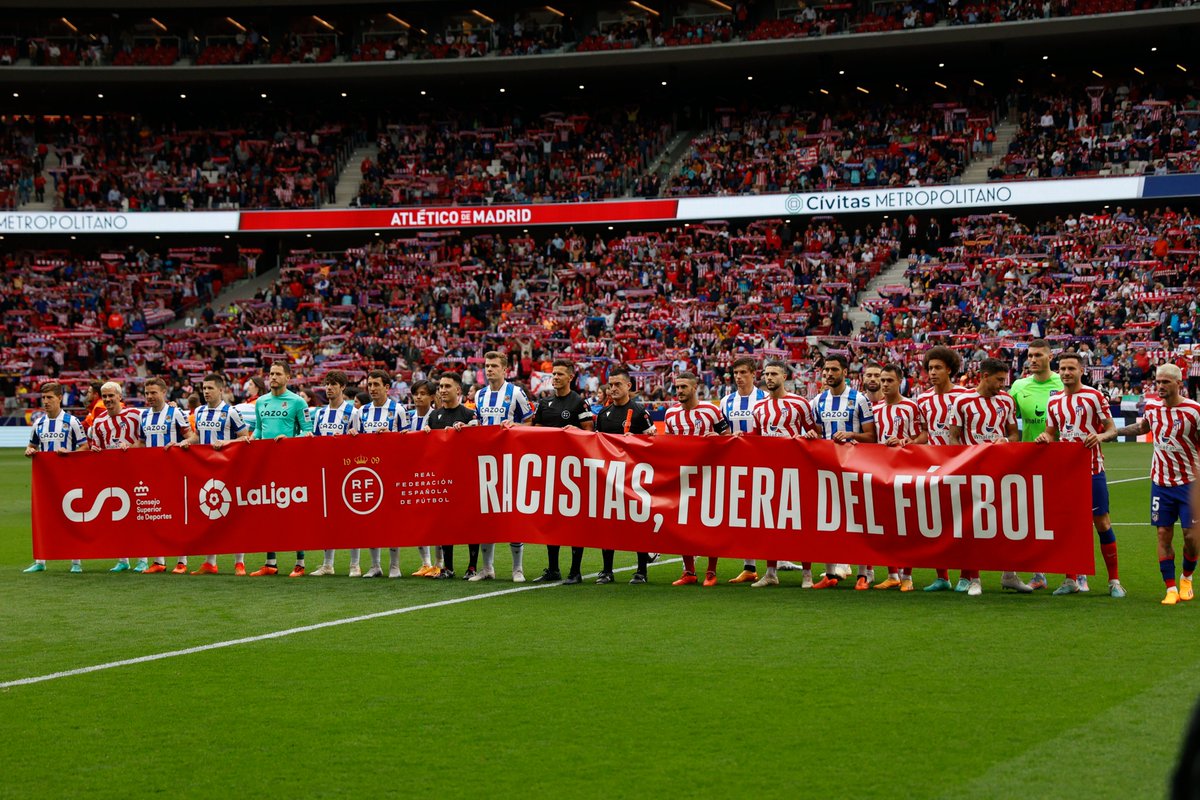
781, 415
843, 415
1081, 414
987, 415
56, 432
163, 426
282, 414
332, 419
1175, 423
216, 423
565, 409
382, 415
1032, 395
941, 365
738, 407
500, 403
691, 417
118, 428
624, 415
899, 423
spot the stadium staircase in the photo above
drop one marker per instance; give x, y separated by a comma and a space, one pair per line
977, 172
890, 275
671, 159
351, 177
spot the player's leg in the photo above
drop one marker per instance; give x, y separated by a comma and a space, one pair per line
893, 579
830, 579
298, 570
394, 562
710, 575
1012, 581
376, 570
486, 572
606, 567
473, 562
1191, 542
941, 583
552, 572
749, 573
426, 563
643, 564
518, 556
269, 568
1163, 515
689, 572
770, 577
326, 567
447, 570
355, 570
577, 568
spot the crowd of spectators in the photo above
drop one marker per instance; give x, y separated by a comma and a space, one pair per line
123, 163
505, 156
1101, 129
790, 149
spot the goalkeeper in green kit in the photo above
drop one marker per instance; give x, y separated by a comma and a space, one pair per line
281, 415
1032, 396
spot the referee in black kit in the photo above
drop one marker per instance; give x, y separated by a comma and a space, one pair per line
623, 415
565, 409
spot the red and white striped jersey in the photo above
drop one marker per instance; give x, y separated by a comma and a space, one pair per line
1076, 415
790, 415
705, 418
984, 420
902, 420
108, 431
937, 412
1176, 432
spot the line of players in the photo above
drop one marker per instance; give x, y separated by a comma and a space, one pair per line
946, 414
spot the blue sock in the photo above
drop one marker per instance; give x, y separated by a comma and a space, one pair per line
1189, 566
1107, 537
1167, 568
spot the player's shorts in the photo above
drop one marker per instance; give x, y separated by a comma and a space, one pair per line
1170, 504
1099, 495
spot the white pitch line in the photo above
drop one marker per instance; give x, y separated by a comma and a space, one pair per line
262, 637
1129, 480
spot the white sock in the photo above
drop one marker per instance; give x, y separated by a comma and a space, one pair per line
74, 561
238, 558
893, 576
162, 560
394, 557
441, 560
806, 573
42, 561
871, 575
771, 573
124, 561
375, 551
488, 552
423, 552
181, 560
328, 562
299, 562
210, 560
518, 554
862, 571
354, 554
272, 562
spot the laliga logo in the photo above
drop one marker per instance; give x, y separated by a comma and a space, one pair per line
362, 490
68, 505
214, 499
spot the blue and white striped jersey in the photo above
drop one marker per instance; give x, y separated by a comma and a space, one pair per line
495, 406
842, 413
63, 432
330, 421
161, 428
739, 409
419, 422
220, 424
371, 418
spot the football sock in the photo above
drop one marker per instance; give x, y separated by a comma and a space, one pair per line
355, 556
447, 556
238, 558
749, 566
712, 564
1108, 549
1167, 568
577, 561
689, 564
375, 551
943, 574
806, 566
211, 560
771, 573
271, 559
607, 555
1189, 566
489, 555
161, 560
300, 561
643, 562
518, 554
328, 562
42, 561
393, 556
473, 551
423, 552
552, 557
438, 555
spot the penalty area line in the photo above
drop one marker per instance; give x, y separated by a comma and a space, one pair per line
262, 637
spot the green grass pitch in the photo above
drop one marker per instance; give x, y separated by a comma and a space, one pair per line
613, 690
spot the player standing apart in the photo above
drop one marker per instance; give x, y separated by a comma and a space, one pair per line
1032, 395
565, 409
56, 432
382, 415
282, 414
1174, 422
900, 424
781, 415
500, 403
690, 417
844, 416
163, 426
987, 415
332, 419
217, 423
1081, 414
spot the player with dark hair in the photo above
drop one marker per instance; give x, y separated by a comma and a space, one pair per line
332, 419
55, 432
163, 425
941, 365
899, 424
450, 414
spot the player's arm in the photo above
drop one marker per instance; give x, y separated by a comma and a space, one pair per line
721, 427
32, 447
1107, 435
305, 422
1139, 428
1050, 434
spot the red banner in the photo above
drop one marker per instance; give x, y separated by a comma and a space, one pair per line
460, 216
1012, 507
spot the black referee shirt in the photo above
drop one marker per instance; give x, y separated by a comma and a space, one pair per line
441, 418
562, 412
612, 419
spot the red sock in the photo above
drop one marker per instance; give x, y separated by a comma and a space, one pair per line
1109, 551
943, 574
967, 575
1071, 577
806, 566
712, 564
689, 564
772, 564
